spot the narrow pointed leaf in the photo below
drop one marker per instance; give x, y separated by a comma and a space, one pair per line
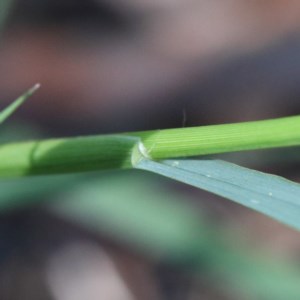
8, 111
269, 194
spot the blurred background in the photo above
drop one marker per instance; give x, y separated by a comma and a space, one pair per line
126, 65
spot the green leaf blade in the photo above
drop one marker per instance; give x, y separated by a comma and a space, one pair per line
8, 111
269, 194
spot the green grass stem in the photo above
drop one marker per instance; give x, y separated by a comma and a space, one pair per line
66, 155
212, 139
69, 155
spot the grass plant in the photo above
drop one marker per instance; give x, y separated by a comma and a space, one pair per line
164, 227
149, 150
143, 215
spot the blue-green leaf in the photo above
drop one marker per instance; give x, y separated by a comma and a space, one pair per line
269, 194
